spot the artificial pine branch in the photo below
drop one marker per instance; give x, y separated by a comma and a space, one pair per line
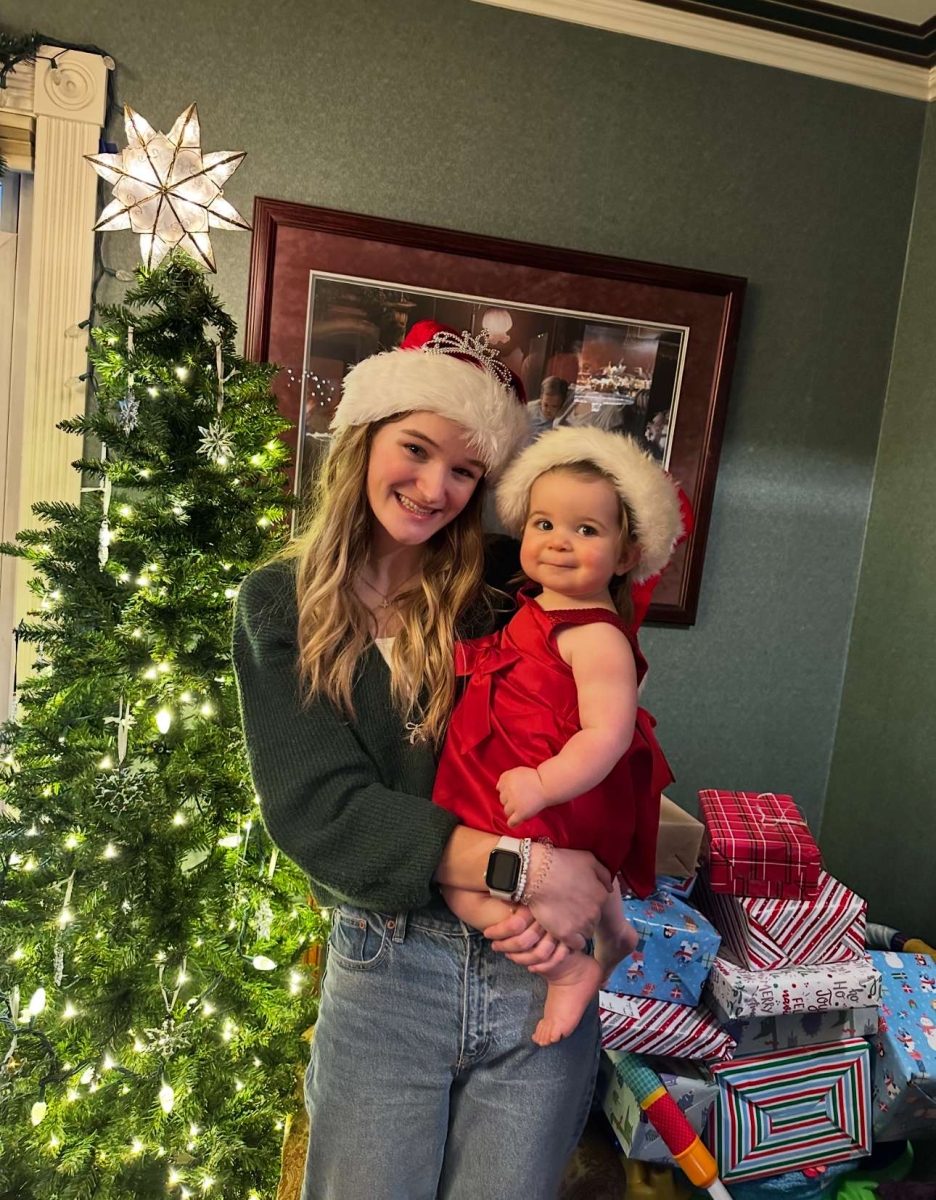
137, 896
15, 51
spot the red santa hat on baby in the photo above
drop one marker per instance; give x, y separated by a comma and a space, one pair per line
435, 369
651, 497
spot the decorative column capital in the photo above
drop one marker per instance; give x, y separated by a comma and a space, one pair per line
73, 89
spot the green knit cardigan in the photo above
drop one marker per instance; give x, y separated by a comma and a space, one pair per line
346, 800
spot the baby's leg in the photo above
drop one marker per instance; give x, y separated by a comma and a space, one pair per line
573, 985
615, 937
477, 909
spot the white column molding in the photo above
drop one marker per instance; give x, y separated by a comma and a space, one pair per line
68, 104
14, 216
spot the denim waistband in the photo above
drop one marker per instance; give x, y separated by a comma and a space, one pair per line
435, 918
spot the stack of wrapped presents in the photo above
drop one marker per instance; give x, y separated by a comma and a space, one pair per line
653, 1002
785, 1043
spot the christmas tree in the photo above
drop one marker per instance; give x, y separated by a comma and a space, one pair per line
152, 942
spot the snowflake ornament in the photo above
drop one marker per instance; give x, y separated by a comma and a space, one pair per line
264, 920
217, 443
168, 191
165, 1039
128, 413
118, 791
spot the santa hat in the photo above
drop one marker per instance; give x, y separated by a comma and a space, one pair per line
649, 494
438, 370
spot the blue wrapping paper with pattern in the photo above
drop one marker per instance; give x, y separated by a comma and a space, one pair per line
760, 1035
674, 954
904, 1048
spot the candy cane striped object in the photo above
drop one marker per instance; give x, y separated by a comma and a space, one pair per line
765, 934
658, 1027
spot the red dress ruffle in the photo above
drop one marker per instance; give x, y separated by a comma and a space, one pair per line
519, 708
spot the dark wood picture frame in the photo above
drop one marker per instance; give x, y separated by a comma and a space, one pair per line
291, 240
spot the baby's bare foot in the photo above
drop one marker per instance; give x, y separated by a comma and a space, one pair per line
567, 998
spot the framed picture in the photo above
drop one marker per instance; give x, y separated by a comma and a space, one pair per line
636, 348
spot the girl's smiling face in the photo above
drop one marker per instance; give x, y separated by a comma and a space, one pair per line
420, 475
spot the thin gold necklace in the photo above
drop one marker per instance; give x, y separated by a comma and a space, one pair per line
387, 600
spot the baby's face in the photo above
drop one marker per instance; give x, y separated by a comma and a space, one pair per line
572, 541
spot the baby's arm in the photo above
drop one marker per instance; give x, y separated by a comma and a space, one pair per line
477, 909
605, 674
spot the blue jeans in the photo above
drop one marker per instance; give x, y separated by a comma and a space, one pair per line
423, 1082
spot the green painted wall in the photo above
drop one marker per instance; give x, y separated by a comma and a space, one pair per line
878, 822
458, 114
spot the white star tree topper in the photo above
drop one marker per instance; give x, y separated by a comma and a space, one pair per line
168, 191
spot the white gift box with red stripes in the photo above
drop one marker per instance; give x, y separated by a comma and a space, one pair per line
647, 1026
764, 935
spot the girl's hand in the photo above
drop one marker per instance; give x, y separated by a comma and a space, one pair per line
521, 794
568, 893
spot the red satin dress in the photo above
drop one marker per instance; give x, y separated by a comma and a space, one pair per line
519, 708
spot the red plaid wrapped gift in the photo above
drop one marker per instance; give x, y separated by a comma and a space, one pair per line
759, 845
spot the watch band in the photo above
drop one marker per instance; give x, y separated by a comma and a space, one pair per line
520, 848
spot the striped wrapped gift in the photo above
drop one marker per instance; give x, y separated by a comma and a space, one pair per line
765, 934
658, 1027
759, 845
796, 1108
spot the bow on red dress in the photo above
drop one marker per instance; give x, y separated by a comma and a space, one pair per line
481, 660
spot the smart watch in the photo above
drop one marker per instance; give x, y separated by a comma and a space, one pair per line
503, 868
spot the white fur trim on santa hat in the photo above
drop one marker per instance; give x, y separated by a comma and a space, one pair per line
400, 381
651, 496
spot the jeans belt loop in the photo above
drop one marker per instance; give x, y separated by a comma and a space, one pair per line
398, 924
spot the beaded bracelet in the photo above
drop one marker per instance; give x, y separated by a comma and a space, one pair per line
525, 846
536, 883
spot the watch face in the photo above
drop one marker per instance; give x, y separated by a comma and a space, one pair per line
503, 870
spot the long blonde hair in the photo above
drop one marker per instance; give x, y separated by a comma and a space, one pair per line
335, 627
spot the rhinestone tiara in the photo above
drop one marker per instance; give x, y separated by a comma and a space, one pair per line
476, 349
